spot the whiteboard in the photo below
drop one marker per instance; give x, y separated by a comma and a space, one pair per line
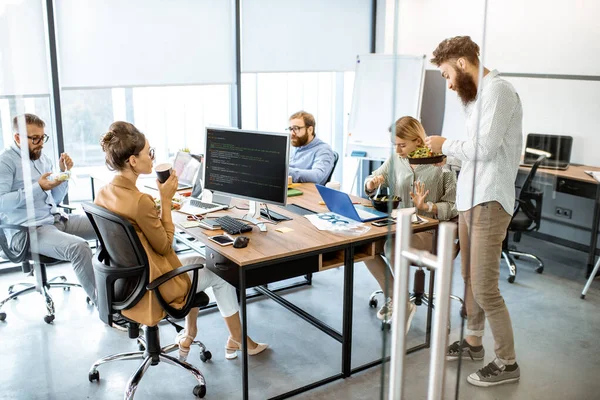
376, 105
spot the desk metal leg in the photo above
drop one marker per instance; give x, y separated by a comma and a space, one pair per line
244, 341
594, 238
347, 311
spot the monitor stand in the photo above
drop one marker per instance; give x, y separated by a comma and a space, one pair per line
254, 215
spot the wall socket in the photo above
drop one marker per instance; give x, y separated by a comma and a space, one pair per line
563, 212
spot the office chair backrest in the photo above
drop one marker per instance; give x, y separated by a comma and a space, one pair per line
529, 179
529, 200
336, 157
121, 266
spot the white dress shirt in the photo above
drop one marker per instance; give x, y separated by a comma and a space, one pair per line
491, 154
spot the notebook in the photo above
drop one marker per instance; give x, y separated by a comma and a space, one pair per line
340, 203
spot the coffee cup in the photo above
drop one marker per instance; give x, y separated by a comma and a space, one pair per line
333, 185
163, 171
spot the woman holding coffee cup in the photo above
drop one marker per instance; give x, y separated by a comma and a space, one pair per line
128, 152
429, 188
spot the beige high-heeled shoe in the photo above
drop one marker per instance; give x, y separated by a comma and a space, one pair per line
231, 352
183, 351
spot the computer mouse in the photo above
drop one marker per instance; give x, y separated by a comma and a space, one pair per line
240, 242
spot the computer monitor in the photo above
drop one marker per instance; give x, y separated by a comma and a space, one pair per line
247, 164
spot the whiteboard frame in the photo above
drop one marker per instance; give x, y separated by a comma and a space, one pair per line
377, 152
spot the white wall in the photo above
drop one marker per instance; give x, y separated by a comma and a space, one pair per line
533, 36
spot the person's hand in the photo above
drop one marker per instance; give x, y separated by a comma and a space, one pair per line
374, 182
168, 189
65, 163
435, 143
419, 195
47, 184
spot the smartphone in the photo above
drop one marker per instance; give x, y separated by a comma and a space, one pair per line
223, 240
384, 222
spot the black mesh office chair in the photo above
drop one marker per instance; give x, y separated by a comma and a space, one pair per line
122, 272
526, 218
419, 296
32, 264
336, 157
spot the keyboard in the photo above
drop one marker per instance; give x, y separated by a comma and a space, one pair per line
232, 226
200, 204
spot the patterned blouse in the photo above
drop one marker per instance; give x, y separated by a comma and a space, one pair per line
440, 182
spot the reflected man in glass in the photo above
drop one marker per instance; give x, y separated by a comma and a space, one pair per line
59, 235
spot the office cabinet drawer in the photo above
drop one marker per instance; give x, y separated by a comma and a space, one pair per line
576, 188
230, 272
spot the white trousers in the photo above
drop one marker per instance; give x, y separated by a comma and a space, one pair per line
225, 294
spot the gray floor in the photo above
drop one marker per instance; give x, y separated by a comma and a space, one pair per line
556, 337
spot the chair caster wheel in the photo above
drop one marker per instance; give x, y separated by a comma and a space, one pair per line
517, 257
463, 312
373, 303
141, 347
386, 326
582, 298
511, 279
3, 315
89, 301
205, 356
48, 318
200, 391
94, 376
66, 289
10, 290
539, 270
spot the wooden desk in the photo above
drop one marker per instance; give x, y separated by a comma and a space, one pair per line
273, 256
576, 182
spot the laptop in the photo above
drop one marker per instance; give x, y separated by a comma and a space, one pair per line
556, 148
186, 166
340, 203
194, 204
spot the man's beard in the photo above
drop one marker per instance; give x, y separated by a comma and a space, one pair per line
300, 141
465, 87
35, 154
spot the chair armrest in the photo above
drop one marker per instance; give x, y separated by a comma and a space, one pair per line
15, 257
67, 208
171, 274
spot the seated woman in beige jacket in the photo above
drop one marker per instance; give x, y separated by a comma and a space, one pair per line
128, 152
429, 188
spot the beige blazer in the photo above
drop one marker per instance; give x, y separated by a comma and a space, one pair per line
121, 196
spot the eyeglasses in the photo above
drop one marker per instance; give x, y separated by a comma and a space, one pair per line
38, 139
334, 219
294, 128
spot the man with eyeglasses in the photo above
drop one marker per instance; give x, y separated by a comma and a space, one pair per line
311, 159
58, 235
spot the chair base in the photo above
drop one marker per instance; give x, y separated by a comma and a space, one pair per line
417, 299
507, 255
42, 288
152, 354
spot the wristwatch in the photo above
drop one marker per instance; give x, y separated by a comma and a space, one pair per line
430, 205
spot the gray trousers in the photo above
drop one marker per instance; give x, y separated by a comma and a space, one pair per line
67, 240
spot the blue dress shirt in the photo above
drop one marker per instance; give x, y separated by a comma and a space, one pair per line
312, 162
13, 205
